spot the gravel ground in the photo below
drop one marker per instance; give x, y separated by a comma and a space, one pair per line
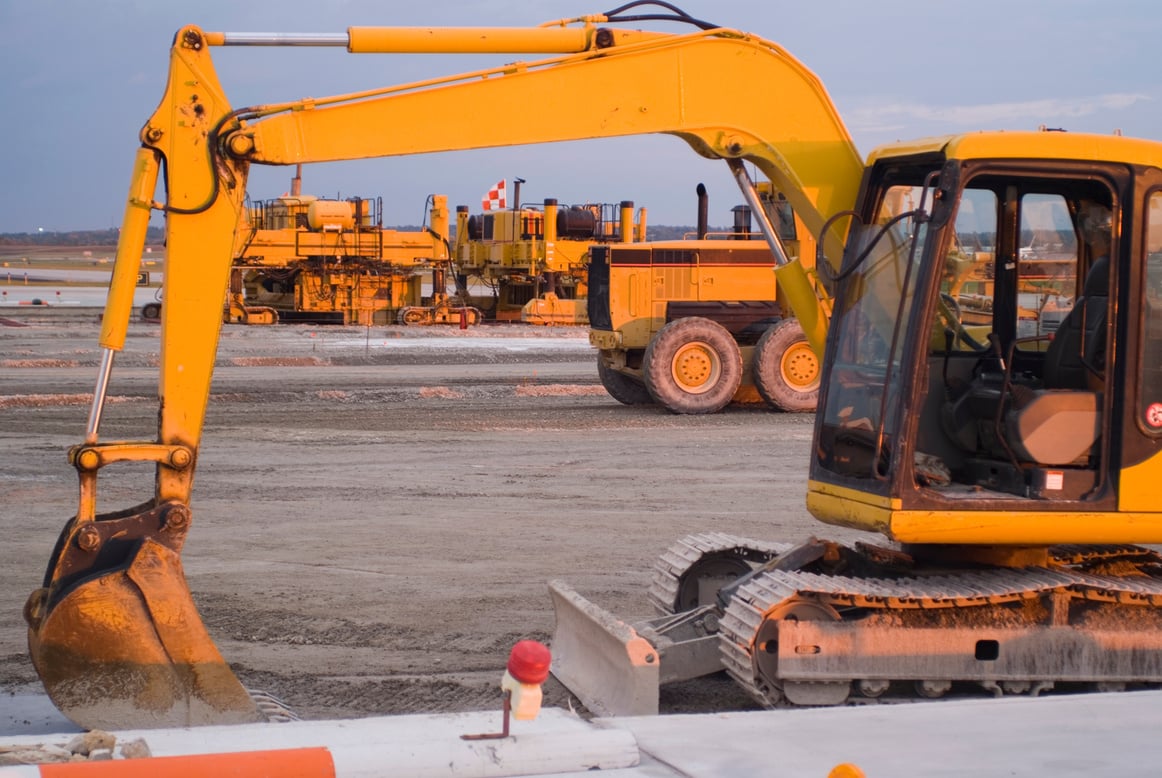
377, 511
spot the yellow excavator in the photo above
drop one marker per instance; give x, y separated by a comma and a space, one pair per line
1015, 475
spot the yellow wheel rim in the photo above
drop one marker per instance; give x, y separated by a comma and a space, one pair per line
696, 368
800, 367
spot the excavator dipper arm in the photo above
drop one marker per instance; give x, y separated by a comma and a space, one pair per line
113, 632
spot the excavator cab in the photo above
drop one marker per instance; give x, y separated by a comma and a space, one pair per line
990, 402
987, 379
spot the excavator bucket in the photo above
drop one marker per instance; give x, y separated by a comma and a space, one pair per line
611, 669
116, 638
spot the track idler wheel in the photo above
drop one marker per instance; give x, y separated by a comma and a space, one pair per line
766, 651
115, 636
933, 690
872, 688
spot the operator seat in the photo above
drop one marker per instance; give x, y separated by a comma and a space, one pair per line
1081, 335
1059, 423
1054, 420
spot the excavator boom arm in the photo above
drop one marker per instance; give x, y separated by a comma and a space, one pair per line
780, 118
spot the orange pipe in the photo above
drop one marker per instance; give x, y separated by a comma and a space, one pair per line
282, 763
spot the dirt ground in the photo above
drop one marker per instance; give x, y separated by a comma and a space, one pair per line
377, 512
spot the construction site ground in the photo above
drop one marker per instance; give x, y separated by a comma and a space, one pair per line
377, 512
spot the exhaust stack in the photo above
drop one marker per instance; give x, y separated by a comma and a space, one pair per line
703, 211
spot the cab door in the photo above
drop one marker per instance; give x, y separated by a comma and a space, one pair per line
1140, 295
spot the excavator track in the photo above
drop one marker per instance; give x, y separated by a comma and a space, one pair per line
706, 557
1086, 555
801, 638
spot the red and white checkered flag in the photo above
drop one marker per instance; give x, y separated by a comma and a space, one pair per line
497, 197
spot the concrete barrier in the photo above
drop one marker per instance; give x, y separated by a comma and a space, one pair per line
418, 746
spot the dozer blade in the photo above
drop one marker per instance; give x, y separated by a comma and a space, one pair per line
122, 646
601, 659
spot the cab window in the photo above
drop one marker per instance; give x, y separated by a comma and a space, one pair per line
1046, 265
966, 288
1150, 374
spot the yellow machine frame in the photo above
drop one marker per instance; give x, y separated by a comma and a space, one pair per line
525, 259
345, 265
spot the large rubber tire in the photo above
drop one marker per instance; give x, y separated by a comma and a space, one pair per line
621, 387
151, 311
692, 365
786, 370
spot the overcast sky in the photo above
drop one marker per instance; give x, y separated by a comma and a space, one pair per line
80, 77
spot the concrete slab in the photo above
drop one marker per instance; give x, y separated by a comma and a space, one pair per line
1082, 735
1077, 735
557, 742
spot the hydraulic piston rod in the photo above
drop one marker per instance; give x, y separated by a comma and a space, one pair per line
790, 274
443, 40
